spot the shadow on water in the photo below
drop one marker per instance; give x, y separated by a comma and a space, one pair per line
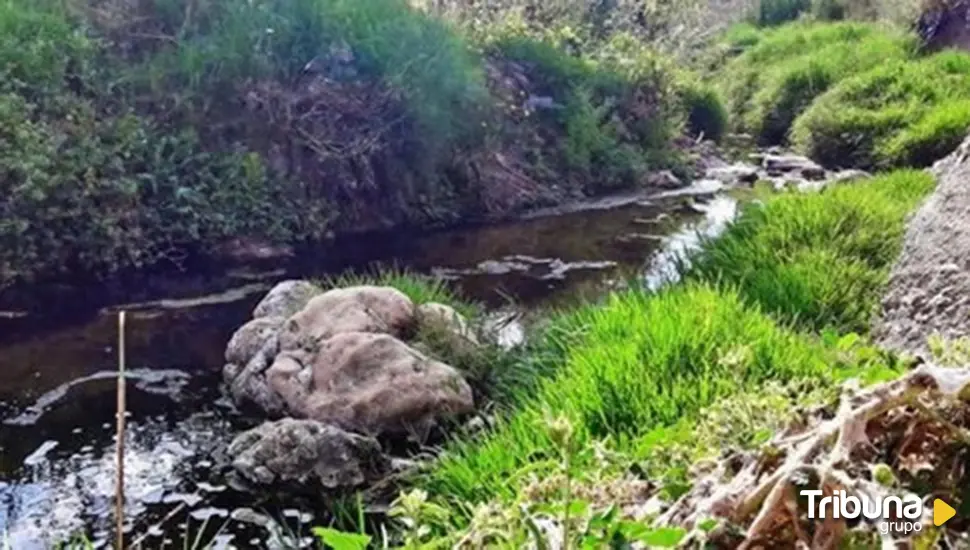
57, 387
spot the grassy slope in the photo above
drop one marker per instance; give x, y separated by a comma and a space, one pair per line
641, 362
848, 94
817, 260
134, 136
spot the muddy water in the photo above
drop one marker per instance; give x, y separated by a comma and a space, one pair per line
57, 389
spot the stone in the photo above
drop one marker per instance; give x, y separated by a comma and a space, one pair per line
664, 179
248, 385
369, 383
250, 338
306, 452
929, 285
285, 299
733, 174
353, 309
785, 164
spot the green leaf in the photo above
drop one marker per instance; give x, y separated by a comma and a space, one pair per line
848, 341
578, 508
339, 540
663, 537
707, 525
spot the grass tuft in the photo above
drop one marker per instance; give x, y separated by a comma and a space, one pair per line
818, 260
903, 113
634, 364
780, 74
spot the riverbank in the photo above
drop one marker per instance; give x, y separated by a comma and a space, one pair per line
615, 419
185, 140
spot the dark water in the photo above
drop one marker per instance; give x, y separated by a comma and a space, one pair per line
57, 390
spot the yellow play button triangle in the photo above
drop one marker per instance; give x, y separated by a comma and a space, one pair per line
942, 512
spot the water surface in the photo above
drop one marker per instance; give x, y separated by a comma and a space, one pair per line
57, 387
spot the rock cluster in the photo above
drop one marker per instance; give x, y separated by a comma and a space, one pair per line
337, 361
782, 170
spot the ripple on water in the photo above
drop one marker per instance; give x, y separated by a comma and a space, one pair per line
61, 493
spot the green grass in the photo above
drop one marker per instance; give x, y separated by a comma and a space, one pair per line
638, 369
629, 366
903, 113
818, 260
779, 75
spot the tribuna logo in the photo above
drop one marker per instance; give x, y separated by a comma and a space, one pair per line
898, 514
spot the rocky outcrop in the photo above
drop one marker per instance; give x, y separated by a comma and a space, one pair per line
340, 358
285, 299
370, 383
929, 288
355, 309
308, 453
338, 362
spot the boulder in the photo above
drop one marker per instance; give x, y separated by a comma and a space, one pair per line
929, 286
285, 299
250, 338
248, 385
306, 452
353, 309
787, 164
369, 383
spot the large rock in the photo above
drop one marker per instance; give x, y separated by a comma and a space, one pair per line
354, 309
306, 452
370, 383
250, 338
778, 165
285, 299
929, 287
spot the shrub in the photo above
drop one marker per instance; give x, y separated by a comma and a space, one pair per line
615, 103
93, 194
819, 260
706, 113
900, 114
779, 76
776, 12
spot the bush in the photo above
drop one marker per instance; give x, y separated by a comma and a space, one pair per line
616, 108
92, 194
900, 114
706, 113
776, 12
779, 76
818, 260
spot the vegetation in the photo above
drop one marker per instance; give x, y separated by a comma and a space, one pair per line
140, 133
898, 114
636, 375
819, 261
849, 94
780, 74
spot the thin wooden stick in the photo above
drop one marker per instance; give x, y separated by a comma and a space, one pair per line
120, 434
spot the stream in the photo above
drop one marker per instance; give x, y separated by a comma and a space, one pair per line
57, 385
